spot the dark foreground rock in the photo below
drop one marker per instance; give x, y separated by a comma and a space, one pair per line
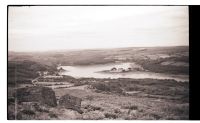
43, 95
71, 102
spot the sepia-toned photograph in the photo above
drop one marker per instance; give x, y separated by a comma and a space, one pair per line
103, 62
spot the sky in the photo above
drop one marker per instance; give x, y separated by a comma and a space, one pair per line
45, 28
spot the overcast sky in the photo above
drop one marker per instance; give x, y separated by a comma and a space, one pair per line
42, 28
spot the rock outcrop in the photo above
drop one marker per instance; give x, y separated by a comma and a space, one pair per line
71, 102
43, 95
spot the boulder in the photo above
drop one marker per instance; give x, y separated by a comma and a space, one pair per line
43, 95
93, 115
71, 102
69, 114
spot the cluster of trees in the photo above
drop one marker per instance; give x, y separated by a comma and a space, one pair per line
25, 71
156, 66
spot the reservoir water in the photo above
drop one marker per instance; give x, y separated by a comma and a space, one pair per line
93, 71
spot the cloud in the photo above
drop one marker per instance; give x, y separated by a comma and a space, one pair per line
41, 28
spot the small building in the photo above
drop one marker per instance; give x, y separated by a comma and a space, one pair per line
34, 82
45, 73
113, 69
120, 70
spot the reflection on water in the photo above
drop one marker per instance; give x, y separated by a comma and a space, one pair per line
93, 71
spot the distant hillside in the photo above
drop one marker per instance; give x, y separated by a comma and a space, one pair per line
96, 56
25, 71
157, 59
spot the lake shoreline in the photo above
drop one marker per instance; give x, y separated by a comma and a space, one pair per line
104, 71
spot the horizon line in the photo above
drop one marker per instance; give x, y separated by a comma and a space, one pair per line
80, 49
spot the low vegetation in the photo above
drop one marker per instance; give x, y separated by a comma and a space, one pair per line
153, 88
122, 98
24, 71
158, 99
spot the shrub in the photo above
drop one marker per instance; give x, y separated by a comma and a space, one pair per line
11, 101
28, 112
90, 98
78, 83
117, 111
40, 109
131, 107
107, 87
92, 108
52, 115
110, 115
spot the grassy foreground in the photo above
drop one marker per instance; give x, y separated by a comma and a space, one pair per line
125, 99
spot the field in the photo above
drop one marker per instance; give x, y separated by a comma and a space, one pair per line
103, 99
